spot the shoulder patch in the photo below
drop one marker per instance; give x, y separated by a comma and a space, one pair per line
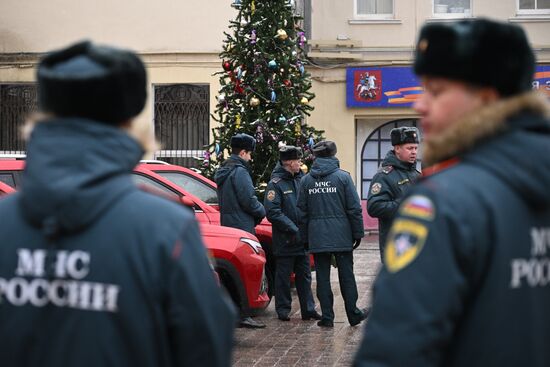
405, 241
419, 207
375, 188
276, 179
386, 169
271, 195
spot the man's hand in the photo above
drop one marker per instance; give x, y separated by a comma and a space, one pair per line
356, 243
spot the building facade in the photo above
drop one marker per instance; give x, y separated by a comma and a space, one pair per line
361, 53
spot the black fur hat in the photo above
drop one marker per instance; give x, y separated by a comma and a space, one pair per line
404, 135
289, 152
97, 82
324, 148
480, 51
243, 141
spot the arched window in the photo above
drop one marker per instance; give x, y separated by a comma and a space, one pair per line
375, 149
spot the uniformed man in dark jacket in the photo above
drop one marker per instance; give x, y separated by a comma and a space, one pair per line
239, 206
93, 271
280, 204
397, 172
332, 225
466, 280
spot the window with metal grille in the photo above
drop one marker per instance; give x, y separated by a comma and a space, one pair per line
17, 101
377, 145
182, 117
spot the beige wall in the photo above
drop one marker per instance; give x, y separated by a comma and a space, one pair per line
143, 25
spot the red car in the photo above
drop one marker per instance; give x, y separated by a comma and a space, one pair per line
5, 189
186, 182
239, 257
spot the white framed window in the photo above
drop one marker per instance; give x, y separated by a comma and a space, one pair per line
533, 7
374, 9
452, 8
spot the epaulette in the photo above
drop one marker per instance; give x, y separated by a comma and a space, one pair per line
386, 169
276, 179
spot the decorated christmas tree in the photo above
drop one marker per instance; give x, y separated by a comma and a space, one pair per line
265, 89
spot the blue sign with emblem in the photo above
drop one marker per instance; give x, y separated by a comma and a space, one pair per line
400, 87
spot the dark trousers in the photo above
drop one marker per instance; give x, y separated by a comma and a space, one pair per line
346, 278
301, 267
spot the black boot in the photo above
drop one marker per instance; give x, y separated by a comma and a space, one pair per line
249, 322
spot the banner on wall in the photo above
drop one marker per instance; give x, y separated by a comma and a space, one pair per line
399, 86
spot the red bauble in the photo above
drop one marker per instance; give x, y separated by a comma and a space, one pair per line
287, 83
238, 88
226, 65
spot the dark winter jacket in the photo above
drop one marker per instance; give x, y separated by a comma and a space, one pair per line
331, 217
387, 189
280, 204
239, 206
466, 280
93, 271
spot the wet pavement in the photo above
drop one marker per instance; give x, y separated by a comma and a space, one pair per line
303, 343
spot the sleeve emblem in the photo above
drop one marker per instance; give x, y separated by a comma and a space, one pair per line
418, 206
375, 188
271, 195
405, 241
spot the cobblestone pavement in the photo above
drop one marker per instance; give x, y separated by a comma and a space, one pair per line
303, 343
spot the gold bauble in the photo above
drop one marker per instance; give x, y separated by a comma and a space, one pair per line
254, 101
304, 100
281, 33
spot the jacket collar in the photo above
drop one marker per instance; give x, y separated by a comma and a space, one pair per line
482, 124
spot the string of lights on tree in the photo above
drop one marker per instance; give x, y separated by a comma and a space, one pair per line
264, 87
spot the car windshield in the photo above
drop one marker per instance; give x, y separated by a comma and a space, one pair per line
192, 185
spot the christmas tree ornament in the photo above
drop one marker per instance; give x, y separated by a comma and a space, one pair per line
238, 88
226, 65
282, 119
239, 72
300, 67
221, 98
253, 37
272, 65
273, 96
253, 7
294, 53
254, 102
297, 129
304, 100
244, 23
217, 149
238, 121
310, 141
287, 83
259, 134
236, 4
281, 34
301, 39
